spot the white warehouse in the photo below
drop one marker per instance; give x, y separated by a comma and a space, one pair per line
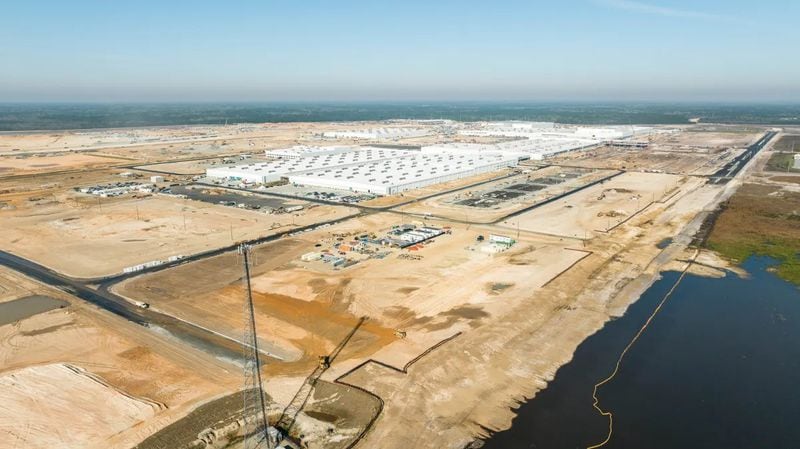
537, 149
271, 171
378, 133
392, 176
299, 151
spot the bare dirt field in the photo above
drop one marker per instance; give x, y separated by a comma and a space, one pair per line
788, 143
599, 208
195, 167
84, 140
51, 162
305, 308
77, 377
719, 139
653, 159
685, 152
47, 391
72, 235
457, 331
175, 142
532, 188
478, 378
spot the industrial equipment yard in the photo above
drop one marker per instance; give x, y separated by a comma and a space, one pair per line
411, 282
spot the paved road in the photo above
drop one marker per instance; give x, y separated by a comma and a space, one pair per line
732, 168
195, 336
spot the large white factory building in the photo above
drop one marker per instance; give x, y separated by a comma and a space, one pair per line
385, 171
363, 169
299, 151
378, 133
392, 176
274, 170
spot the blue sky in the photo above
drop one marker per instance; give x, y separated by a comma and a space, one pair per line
303, 50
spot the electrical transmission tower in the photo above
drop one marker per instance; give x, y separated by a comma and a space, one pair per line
256, 430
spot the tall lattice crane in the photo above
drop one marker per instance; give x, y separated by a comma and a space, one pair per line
257, 432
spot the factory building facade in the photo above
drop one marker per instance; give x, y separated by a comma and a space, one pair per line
378, 133
274, 170
397, 175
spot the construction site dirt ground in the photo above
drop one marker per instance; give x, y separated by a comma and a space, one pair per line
16, 165
73, 233
472, 384
735, 137
166, 137
196, 167
175, 142
392, 200
448, 206
456, 336
654, 159
597, 209
436, 294
77, 377
687, 152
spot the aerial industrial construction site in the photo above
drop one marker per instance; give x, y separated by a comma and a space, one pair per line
330, 285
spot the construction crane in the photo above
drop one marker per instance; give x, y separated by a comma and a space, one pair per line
256, 429
300, 399
257, 432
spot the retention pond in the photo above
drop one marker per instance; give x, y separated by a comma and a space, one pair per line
19, 309
718, 367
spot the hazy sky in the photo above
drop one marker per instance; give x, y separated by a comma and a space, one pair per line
262, 50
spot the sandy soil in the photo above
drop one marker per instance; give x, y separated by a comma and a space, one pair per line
39, 395
71, 236
687, 153
197, 167
445, 205
16, 165
710, 139
656, 158
304, 309
599, 208
477, 378
125, 381
510, 319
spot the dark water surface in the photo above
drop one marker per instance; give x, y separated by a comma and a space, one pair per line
42, 116
719, 367
19, 309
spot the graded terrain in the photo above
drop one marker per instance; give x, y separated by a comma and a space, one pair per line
436, 310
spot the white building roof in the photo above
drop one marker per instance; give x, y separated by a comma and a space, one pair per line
305, 150
403, 173
273, 170
378, 133
535, 140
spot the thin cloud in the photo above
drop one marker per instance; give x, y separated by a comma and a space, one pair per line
644, 8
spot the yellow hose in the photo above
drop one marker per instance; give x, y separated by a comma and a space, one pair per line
622, 355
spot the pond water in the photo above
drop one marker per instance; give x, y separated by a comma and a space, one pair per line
718, 367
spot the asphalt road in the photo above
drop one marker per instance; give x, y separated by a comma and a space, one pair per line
732, 168
193, 335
